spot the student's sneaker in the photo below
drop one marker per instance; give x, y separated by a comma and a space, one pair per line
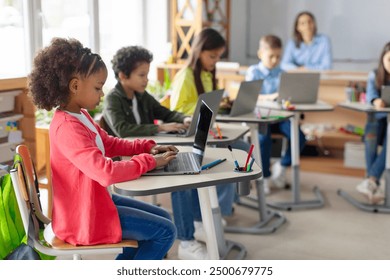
278, 175
267, 185
367, 187
192, 250
379, 195
199, 233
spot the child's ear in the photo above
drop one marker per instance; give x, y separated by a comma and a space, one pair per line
73, 85
122, 76
259, 54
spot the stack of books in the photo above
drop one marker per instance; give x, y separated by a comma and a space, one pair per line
354, 155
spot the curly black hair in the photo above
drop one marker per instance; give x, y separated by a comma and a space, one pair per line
127, 59
55, 66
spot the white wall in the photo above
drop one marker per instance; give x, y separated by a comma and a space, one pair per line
358, 29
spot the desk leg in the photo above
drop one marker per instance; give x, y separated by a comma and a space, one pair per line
224, 246
297, 203
265, 215
208, 223
385, 207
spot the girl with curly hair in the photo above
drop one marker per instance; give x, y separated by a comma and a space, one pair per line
69, 78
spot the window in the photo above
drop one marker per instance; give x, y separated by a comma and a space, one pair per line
12, 50
102, 25
66, 18
120, 25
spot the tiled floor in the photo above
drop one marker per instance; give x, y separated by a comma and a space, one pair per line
336, 231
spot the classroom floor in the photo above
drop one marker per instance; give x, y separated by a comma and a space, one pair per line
338, 231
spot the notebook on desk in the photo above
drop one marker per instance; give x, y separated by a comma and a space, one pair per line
246, 99
212, 99
190, 162
385, 95
299, 88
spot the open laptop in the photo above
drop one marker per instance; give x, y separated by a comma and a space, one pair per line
299, 88
385, 95
212, 99
246, 99
190, 162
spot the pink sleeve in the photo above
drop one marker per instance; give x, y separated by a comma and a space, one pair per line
116, 146
80, 148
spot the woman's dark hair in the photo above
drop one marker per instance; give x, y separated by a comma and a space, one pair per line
55, 66
382, 77
128, 58
208, 39
296, 34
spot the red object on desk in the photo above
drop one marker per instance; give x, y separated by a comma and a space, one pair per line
249, 156
219, 132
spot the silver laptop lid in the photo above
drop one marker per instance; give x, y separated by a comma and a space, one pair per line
212, 99
299, 88
202, 130
246, 99
385, 95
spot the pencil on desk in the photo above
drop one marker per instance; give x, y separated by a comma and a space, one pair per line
212, 133
249, 168
249, 156
219, 131
234, 158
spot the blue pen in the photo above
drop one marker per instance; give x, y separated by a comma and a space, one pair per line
212, 164
234, 158
250, 164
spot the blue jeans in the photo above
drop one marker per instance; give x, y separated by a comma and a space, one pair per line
375, 135
185, 204
266, 145
149, 224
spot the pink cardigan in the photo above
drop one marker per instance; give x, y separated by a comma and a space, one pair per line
83, 211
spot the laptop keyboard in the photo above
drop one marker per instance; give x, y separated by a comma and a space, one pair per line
184, 161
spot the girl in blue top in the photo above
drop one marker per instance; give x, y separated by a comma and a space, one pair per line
308, 50
268, 70
375, 131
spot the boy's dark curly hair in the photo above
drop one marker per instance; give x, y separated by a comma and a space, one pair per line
127, 59
55, 66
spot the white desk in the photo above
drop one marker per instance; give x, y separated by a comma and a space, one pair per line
370, 111
230, 133
222, 173
297, 203
266, 216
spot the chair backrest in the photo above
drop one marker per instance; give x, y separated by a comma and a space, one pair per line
23, 178
21, 194
31, 180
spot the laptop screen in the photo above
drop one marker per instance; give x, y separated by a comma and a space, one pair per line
300, 88
246, 99
202, 129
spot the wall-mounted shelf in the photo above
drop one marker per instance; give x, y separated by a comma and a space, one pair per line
188, 18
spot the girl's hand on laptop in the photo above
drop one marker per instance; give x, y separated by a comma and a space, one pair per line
187, 121
165, 158
171, 127
158, 149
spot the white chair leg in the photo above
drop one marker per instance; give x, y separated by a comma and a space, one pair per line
76, 257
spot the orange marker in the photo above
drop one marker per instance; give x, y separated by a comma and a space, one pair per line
219, 132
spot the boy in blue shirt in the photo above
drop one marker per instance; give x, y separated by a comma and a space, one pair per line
268, 69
